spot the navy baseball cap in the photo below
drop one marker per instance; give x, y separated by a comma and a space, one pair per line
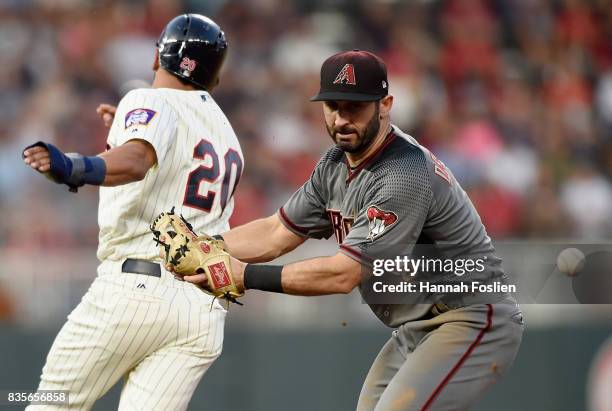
354, 75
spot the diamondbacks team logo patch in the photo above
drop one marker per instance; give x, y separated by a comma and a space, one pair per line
378, 221
219, 275
139, 117
346, 75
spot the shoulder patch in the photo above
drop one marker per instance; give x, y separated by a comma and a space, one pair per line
378, 221
139, 116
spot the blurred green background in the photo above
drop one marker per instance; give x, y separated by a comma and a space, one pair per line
305, 370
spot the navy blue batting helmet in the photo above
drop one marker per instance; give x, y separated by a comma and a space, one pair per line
193, 47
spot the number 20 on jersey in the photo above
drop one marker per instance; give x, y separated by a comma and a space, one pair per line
210, 174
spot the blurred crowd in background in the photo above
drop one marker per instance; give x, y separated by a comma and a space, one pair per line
515, 96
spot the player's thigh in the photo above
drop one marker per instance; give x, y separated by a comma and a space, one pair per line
383, 369
97, 345
453, 366
75, 354
167, 378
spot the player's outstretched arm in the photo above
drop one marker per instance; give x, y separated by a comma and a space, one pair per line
121, 165
337, 274
261, 240
128, 162
258, 241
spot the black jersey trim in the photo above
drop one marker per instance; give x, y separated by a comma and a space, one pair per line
355, 254
300, 230
294, 227
368, 160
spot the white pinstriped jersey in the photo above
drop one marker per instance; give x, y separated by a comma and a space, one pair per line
199, 162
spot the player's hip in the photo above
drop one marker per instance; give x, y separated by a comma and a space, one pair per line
138, 279
499, 323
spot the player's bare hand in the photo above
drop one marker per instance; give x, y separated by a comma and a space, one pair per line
37, 158
106, 113
197, 279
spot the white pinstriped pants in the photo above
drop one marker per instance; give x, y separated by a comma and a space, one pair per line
159, 333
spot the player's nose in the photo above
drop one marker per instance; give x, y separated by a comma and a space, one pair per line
340, 120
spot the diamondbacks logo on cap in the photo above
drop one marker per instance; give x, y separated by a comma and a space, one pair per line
378, 221
346, 75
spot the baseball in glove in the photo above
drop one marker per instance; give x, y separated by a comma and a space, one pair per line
191, 254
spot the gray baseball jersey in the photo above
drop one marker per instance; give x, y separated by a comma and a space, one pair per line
399, 197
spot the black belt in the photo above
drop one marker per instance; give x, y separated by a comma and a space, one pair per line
132, 265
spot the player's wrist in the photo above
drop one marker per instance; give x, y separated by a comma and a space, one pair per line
86, 170
238, 273
73, 169
263, 277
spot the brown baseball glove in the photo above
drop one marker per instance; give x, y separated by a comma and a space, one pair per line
191, 254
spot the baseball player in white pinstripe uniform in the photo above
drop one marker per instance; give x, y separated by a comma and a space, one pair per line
168, 146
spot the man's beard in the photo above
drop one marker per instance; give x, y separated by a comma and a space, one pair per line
364, 138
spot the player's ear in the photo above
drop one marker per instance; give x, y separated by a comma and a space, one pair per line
156, 61
385, 105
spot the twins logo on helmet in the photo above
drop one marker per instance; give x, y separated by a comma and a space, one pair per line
379, 220
188, 66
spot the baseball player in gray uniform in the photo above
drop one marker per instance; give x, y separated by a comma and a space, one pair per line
377, 190
168, 146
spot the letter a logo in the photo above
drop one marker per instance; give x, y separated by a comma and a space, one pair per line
346, 75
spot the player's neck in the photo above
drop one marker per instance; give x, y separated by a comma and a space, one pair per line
166, 80
354, 159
